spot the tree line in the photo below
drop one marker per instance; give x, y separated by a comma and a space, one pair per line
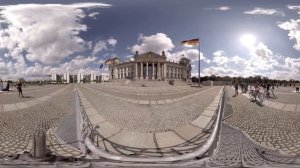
250, 79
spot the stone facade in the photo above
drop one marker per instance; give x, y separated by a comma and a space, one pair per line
151, 66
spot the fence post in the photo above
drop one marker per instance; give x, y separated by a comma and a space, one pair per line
79, 123
39, 145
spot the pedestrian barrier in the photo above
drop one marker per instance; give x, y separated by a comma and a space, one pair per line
89, 139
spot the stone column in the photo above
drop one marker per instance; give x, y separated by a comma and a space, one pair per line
153, 70
136, 70
147, 71
165, 70
177, 74
121, 73
141, 77
158, 70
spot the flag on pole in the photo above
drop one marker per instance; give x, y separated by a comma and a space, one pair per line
101, 66
192, 42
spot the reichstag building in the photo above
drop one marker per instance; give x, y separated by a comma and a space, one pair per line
151, 66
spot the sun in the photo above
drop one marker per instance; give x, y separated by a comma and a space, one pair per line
248, 40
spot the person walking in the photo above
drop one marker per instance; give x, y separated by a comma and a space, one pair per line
19, 87
236, 87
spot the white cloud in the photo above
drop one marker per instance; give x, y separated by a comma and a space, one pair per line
223, 8
192, 54
219, 71
293, 64
238, 60
48, 33
294, 7
157, 43
219, 58
293, 26
262, 58
99, 46
93, 15
264, 11
111, 41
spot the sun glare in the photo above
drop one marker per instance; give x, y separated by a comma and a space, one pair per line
248, 40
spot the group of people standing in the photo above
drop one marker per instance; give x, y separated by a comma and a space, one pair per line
267, 87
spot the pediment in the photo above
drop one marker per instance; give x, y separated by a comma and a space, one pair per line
149, 56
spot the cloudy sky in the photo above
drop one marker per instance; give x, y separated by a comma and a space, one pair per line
237, 37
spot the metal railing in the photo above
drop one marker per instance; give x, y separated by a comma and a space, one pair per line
88, 136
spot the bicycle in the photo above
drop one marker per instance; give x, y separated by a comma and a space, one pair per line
258, 95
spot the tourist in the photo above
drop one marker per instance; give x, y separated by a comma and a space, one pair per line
256, 88
268, 90
297, 88
242, 87
236, 87
19, 87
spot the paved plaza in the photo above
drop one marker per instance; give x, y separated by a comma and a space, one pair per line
21, 118
151, 121
169, 120
273, 124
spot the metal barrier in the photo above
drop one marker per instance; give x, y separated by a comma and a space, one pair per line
88, 134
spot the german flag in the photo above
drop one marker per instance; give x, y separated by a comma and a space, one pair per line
192, 42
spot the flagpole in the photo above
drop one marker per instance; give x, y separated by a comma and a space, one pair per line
199, 64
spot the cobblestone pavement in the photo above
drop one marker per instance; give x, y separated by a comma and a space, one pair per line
30, 93
149, 118
147, 93
289, 98
17, 127
271, 127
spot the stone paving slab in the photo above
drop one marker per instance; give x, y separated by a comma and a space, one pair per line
290, 107
134, 139
168, 101
298, 107
96, 119
106, 129
22, 105
188, 131
212, 107
267, 103
201, 121
208, 113
167, 139
279, 106
153, 102
143, 102
273, 104
9, 107
160, 102
90, 111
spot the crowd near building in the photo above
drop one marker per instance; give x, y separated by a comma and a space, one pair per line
150, 66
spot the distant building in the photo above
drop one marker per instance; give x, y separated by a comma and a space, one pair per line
78, 78
151, 66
